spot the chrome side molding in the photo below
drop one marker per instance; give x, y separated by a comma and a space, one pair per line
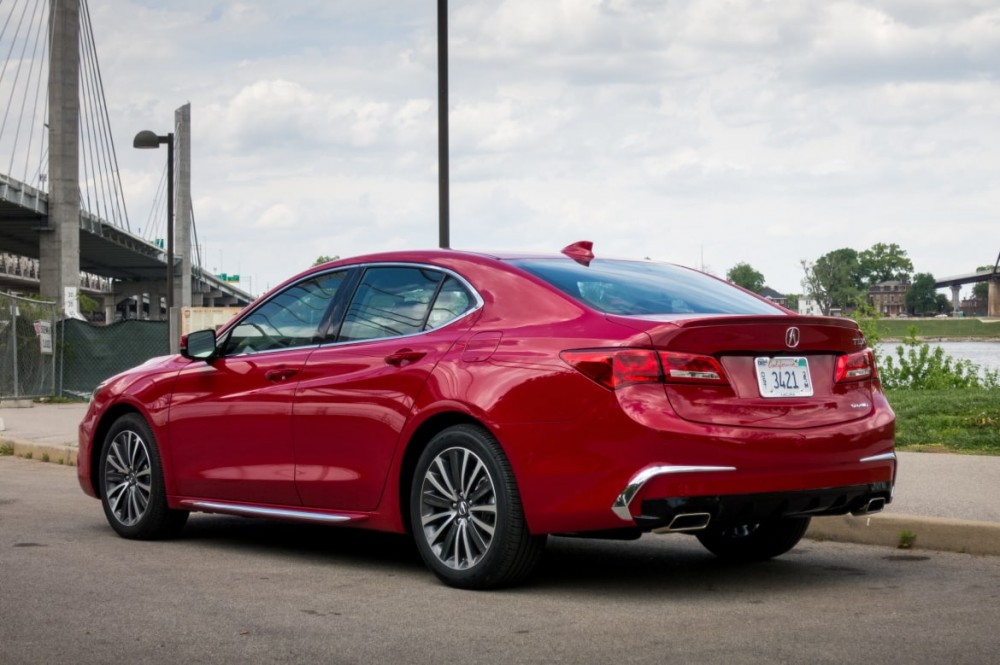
262, 511
621, 505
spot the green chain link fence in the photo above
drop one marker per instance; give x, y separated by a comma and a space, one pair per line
90, 353
41, 355
27, 347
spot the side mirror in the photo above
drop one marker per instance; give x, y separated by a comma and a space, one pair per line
199, 345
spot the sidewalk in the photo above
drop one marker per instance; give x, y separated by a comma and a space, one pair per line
949, 502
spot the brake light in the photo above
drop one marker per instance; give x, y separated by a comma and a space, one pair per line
614, 368
692, 368
855, 367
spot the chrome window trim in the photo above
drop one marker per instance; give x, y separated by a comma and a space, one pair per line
477, 299
884, 457
621, 505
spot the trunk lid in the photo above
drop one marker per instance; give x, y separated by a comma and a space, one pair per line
745, 346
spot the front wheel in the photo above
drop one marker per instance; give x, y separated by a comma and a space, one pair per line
466, 515
755, 542
131, 481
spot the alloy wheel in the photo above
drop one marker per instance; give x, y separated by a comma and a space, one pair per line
127, 477
458, 511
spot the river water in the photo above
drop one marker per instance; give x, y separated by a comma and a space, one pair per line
984, 354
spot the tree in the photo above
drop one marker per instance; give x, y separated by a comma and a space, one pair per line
793, 301
981, 290
943, 304
834, 280
921, 298
324, 259
743, 274
882, 262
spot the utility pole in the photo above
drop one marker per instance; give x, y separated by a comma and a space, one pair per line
444, 221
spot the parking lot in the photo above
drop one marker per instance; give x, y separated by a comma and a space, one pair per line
256, 591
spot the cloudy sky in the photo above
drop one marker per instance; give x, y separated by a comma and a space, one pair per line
704, 132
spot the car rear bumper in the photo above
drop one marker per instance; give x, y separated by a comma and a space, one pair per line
678, 514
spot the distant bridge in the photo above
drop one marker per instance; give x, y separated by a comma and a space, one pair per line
63, 223
993, 277
114, 263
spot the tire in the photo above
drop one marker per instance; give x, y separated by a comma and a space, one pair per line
131, 481
755, 542
466, 514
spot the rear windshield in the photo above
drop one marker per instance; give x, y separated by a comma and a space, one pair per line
640, 287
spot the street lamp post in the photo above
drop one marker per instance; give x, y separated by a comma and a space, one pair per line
444, 213
148, 139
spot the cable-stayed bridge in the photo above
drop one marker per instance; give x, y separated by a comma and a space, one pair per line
64, 227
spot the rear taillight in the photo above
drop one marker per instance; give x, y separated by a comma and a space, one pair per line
855, 367
691, 368
615, 368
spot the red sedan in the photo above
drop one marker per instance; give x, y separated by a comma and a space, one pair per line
482, 402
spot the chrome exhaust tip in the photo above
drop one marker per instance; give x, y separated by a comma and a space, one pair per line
686, 522
873, 506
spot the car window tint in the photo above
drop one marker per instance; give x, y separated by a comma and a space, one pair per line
452, 301
390, 301
639, 287
288, 319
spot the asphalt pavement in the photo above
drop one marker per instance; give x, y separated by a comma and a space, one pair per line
942, 502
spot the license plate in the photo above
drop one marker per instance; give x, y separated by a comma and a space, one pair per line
783, 377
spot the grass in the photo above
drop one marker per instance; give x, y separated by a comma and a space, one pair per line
940, 328
956, 421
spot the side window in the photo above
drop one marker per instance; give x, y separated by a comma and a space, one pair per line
389, 302
290, 318
452, 302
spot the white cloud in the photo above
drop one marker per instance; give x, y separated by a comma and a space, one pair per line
766, 132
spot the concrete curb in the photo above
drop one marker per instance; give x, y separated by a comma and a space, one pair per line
928, 533
38, 451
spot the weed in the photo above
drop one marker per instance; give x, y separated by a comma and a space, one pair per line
6, 448
45, 457
28, 455
906, 539
60, 461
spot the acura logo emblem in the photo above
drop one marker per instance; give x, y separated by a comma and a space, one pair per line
792, 337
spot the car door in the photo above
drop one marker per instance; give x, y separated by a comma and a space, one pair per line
230, 419
356, 394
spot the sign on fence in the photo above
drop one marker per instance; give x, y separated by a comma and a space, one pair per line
43, 329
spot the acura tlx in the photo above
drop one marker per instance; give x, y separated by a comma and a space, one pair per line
484, 401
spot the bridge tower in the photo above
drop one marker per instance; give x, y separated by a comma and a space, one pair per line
59, 241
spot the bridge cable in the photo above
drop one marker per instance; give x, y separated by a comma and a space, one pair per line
41, 36
17, 74
105, 125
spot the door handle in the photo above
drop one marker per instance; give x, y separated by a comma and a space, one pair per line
404, 357
280, 374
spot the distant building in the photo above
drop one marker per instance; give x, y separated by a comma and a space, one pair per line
973, 307
809, 307
889, 298
774, 296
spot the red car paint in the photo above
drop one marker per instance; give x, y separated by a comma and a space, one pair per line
335, 428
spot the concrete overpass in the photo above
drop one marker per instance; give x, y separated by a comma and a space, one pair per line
113, 263
993, 277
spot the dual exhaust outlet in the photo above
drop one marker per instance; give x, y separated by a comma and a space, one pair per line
699, 521
873, 506
686, 522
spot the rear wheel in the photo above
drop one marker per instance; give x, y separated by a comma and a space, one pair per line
131, 481
466, 512
755, 542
